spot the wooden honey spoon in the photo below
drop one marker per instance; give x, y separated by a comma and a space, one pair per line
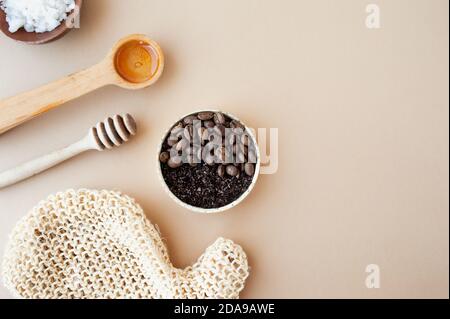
111, 133
135, 62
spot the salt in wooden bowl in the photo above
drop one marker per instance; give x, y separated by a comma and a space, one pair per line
38, 38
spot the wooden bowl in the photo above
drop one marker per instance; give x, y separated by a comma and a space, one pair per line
36, 38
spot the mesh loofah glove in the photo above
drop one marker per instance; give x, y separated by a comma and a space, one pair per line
99, 244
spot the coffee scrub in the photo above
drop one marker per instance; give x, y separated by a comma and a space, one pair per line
209, 161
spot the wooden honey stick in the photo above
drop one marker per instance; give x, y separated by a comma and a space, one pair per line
111, 133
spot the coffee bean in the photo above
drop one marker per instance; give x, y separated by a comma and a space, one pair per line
241, 157
172, 140
221, 170
219, 118
178, 126
189, 151
220, 144
198, 153
236, 124
252, 146
232, 170
181, 145
245, 139
231, 139
176, 133
220, 130
220, 155
249, 169
229, 157
189, 132
212, 136
205, 116
175, 162
191, 160
208, 124
208, 150
241, 153
252, 157
205, 135
189, 119
164, 157
200, 132
209, 159
238, 132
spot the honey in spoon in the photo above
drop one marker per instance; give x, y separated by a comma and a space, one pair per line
136, 61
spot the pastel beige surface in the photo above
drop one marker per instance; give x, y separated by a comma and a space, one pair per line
363, 125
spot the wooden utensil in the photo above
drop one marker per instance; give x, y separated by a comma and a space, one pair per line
108, 134
23, 107
22, 35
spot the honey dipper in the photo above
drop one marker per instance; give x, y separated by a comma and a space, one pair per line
111, 133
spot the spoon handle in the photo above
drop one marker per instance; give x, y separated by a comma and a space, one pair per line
43, 163
23, 107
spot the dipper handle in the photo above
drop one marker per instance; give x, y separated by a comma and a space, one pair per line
41, 164
111, 133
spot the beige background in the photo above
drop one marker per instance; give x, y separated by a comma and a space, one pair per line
363, 119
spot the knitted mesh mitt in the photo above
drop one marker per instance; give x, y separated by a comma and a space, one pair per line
99, 244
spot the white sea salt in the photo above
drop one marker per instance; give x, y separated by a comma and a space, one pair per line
36, 15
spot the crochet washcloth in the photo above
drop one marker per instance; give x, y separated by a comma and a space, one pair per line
99, 244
